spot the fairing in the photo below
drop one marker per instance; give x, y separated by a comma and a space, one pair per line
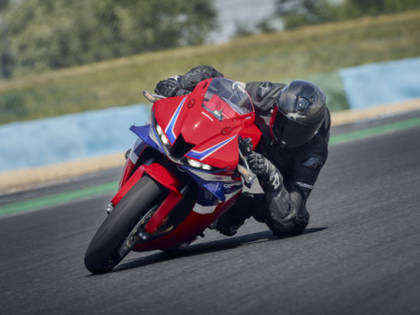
191, 123
215, 141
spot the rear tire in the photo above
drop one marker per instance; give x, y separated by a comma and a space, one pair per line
103, 252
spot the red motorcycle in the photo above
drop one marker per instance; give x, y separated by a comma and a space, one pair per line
181, 175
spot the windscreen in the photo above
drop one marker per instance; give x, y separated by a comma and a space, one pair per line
225, 99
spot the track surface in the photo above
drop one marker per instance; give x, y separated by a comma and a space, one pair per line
360, 254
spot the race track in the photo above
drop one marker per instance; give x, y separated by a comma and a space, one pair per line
360, 254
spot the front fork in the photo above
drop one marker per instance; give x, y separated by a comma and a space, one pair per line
141, 160
153, 222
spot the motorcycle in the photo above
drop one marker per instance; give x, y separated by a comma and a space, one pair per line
185, 170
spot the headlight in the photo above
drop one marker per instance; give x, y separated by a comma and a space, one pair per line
162, 135
197, 164
159, 130
164, 139
191, 162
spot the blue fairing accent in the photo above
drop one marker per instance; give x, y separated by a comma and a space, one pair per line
205, 198
217, 189
203, 154
143, 132
170, 128
229, 188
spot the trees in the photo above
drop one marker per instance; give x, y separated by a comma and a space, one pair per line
296, 13
373, 7
301, 12
3, 4
50, 34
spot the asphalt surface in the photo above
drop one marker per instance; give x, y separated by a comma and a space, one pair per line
360, 254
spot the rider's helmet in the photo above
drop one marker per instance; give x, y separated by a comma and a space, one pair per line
301, 112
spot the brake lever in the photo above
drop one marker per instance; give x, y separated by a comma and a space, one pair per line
249, 177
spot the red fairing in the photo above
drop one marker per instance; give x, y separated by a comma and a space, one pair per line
199, 127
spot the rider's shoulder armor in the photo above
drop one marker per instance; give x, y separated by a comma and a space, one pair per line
263, 95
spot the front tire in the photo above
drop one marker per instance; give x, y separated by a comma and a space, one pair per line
104, 252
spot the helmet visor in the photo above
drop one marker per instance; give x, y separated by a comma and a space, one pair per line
290, 133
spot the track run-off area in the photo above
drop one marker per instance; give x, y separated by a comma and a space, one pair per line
359, 255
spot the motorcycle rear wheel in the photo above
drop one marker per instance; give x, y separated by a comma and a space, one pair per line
103, 252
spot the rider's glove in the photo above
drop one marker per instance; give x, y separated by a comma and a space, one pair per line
168, 87
268, 175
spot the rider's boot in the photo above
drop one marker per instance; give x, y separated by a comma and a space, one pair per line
245, 207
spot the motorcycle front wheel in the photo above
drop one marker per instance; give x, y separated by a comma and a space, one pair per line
104, 251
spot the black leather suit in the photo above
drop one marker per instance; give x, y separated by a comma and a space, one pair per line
282, 209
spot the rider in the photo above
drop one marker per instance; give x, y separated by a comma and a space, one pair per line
295, 124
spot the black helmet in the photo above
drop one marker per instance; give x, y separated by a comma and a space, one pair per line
301, 112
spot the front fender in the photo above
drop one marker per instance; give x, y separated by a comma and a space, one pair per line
156, 171
163, 176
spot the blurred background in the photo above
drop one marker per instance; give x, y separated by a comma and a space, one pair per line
72, 72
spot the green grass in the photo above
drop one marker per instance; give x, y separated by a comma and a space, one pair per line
314, 53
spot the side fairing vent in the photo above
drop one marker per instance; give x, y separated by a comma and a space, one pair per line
180, 147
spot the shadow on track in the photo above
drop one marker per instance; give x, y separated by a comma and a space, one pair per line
209, 247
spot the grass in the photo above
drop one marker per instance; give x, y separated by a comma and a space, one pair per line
314, 53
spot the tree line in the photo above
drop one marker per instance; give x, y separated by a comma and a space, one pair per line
37, 35
295, 13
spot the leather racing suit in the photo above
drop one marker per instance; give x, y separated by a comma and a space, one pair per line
282, 206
